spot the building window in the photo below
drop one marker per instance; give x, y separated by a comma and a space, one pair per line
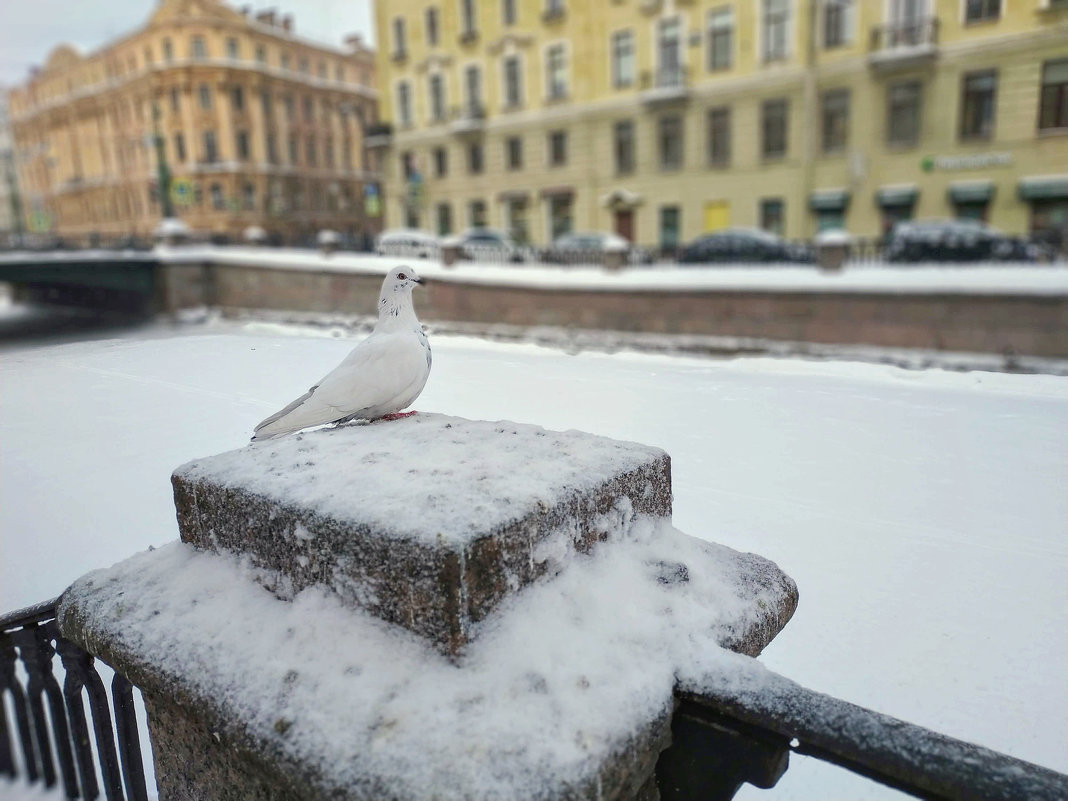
198, 50
835, 120
719, 136
774, 128
474, 158
468, 19
670, 224
981, 10
444, 218
404, 104
328, 151
441, 162
720, 36
237, 98
623, 136
302, 65
432, 31
771, 215
179, 148
669, 141
204, 96
248, 197
261, 54
513, 152
290, 106
473, 91
508, 12
622, 58
437, 98
400, 40
168, 50
1053, 111
320, 69
176, 99
309, 109
776, 29
553, 9
232, 51
978, 95
557, 145
241, 145
311, 154
285, 61
476, 211
556, 72
560, 215
272, 149
292, 148
218, 202
513, 82
669, 52
837, 23
903, 113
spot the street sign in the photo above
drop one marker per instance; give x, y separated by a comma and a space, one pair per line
182, 191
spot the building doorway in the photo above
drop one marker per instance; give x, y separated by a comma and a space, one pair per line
624, 224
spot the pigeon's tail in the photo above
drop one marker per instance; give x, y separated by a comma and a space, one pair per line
281, 422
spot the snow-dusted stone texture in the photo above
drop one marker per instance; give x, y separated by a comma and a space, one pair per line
567, 694
427, 522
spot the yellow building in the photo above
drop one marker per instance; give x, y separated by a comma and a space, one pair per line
258, 126
662, 119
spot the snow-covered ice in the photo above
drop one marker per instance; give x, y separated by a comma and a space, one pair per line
921, 512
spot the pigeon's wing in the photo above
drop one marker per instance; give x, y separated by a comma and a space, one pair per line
376, 371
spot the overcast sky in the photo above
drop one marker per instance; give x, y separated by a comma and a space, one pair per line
29, 29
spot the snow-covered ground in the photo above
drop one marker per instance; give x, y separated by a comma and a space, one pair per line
921, 513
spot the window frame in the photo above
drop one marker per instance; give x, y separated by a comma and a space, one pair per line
1053, 115
715, 143
714, 33
622, 56
975, 126
912, 140
769, 110
624, 166
671, 158
844, 98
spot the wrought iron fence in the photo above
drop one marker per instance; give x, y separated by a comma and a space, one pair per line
44, 730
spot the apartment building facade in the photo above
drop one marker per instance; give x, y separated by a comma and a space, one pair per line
663, 119
245, 122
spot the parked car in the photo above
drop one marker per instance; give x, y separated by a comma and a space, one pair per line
745, 245
590, 246
488, 244
409, 242
955, 241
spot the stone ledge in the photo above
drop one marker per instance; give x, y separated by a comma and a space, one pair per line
428, 522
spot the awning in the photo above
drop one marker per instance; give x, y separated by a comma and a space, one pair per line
971, 191
900, 195
1045, 187
621, 199
828, 199
557, 191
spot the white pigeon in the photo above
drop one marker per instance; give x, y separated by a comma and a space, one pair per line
382, 375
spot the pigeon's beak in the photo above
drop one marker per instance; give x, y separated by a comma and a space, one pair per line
419, 281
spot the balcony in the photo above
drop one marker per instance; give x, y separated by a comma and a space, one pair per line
904, 45
468, 119
665, 85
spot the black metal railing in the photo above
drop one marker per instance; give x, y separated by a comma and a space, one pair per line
45, 733
911, 33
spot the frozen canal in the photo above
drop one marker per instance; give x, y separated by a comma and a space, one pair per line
922, 513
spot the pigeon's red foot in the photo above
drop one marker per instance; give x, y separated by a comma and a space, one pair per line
397, 415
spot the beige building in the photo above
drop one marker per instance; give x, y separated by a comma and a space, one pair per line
663, 119
9, 198
256, 126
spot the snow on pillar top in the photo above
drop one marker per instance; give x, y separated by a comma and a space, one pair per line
427, 522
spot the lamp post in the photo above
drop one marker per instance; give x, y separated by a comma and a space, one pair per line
163, 171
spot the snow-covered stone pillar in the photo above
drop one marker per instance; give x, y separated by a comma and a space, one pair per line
428, 607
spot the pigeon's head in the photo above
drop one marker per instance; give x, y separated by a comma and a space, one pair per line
400, 279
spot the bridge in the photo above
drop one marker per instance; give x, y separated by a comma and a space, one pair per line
113, 280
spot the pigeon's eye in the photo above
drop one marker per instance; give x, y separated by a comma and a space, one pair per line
401, 276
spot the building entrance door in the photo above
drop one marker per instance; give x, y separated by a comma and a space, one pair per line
625, 224
717, 215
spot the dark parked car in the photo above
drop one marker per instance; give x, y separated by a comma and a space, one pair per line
955, 241
489, 245
744, 245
